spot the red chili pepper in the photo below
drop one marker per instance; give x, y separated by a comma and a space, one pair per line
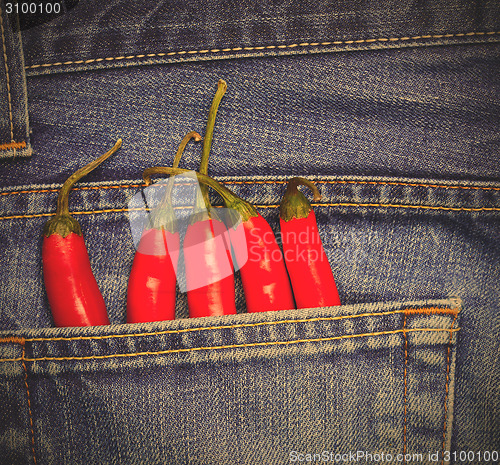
152, 283
264, 276
209, 270
306, 261
72, 291
208, 264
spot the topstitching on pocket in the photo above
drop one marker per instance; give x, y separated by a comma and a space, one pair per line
257, 388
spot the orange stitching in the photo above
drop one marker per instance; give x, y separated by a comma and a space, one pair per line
78, 188
110, 210
238, 325
29, 405
385, 205
9, 98
405, 382
389, 205
410, 184
17, 340
268, 47
447, 387
431, 311
13, 145
382, 183
34, 191
232, 346
375, 205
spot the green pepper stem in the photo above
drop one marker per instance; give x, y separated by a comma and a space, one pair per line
207, 140
62, 199
162, 216
230, 199
190, 135
295, 204
297, 181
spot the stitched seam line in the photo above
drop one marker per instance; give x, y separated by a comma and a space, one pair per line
424, 311
230, 346
381, 183
13, 145
447, 388
405, 387
340, 204
23, 358
11, 119
384, 205
266, 47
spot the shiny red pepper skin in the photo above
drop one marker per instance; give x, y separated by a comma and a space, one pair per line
259, 258
264, 276
72, 291
307, 264
152, 282
207, 259
75, 299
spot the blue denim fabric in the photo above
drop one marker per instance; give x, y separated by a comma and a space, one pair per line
393, 110
250, 388
14, 128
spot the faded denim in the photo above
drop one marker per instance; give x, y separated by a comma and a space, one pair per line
14, 126
393, 111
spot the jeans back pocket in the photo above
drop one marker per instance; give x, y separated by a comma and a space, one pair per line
273, 387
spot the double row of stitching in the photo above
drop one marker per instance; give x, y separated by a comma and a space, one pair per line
340, 204
12, 145
230, 346
264, 48
252, 182
405, 380
6, 64
29, 404
22, 359
405, 377
412, 311
447, 388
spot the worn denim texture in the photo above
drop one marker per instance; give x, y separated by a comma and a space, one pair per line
392, 109
14, 127
249, 388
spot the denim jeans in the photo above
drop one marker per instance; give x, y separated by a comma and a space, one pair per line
393, 110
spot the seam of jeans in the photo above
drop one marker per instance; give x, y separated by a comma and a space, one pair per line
380, 183
13, 145
447, 389
266, 47
9, 97
23, 358
405, 387
416, 311
230, 346
342, 204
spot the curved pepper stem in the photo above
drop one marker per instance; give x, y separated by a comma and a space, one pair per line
63, 223
190, 135
231, 200
163, 216
209, 132
62, 199
295, 204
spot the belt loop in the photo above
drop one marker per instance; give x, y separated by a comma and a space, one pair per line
14, 125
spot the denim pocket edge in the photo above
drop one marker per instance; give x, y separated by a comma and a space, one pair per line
421, 333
